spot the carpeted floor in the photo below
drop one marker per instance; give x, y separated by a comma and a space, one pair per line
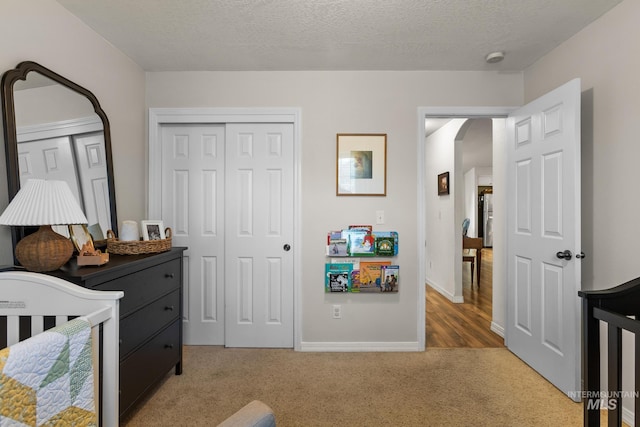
439, 387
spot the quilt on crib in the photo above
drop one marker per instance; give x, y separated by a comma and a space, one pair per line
47, 379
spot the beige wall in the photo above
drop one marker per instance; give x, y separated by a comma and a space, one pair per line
331, 102
341, 102
44, 32
442, 248
606, 57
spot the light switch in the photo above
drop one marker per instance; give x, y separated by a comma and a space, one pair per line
379, 217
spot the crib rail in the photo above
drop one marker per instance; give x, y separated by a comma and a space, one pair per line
615, 307
31, 303
14, 329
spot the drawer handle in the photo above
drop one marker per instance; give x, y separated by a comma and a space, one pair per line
168, 346
169, 275
168, 308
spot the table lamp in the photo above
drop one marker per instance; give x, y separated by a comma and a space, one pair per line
43, 203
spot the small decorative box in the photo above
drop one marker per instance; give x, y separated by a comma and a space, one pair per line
97, 259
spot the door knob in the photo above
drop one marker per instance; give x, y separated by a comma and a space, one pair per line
287, 247
565, 255
580, 255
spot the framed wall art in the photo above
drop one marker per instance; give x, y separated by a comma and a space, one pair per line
361, 166
443, 184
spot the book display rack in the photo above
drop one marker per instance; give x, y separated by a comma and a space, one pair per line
346, 272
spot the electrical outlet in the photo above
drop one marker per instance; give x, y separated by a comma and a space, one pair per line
337, 312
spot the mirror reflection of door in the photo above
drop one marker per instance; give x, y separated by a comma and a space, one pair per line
60, 137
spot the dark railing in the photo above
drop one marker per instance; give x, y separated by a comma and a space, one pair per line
614, 307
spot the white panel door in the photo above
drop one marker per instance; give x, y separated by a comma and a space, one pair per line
50, 158
543, 308
259, 235
94, 182
192, 205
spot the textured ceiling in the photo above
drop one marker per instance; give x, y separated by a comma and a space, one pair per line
194, 35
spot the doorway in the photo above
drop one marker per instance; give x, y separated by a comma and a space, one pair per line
460, 315
454, 262
540, 165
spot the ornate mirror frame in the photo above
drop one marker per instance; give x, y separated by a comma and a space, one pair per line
9, 78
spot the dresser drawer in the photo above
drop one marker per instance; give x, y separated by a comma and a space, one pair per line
145, 285
140, 325
150, 332
149, 364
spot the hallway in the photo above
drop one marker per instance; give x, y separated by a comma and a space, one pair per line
450, 325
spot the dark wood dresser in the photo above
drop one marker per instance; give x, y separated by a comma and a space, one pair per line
150, 315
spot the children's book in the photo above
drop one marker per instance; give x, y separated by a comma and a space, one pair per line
355, 271
355, 280
359, 242
385, 246
390, 278
388, 234
338, 277
370, 275
367, 228
337, 247
333, 235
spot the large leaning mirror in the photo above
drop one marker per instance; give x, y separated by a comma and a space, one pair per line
55, 129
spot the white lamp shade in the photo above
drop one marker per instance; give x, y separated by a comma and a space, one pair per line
43, 202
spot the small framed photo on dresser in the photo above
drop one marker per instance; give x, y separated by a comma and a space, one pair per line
80, 237
152, 230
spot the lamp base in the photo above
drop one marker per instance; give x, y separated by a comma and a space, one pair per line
44, 250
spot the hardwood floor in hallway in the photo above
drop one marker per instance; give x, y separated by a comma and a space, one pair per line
468, 324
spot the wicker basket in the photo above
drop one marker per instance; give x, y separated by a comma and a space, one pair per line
137, 247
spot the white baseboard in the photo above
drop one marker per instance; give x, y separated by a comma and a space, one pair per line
497, 329
454, 299
359, 346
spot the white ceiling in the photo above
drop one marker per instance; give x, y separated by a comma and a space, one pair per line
257, 35
197, 35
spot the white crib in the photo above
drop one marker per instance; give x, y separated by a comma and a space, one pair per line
39, 297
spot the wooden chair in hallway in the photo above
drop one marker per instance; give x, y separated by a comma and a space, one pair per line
475, 244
